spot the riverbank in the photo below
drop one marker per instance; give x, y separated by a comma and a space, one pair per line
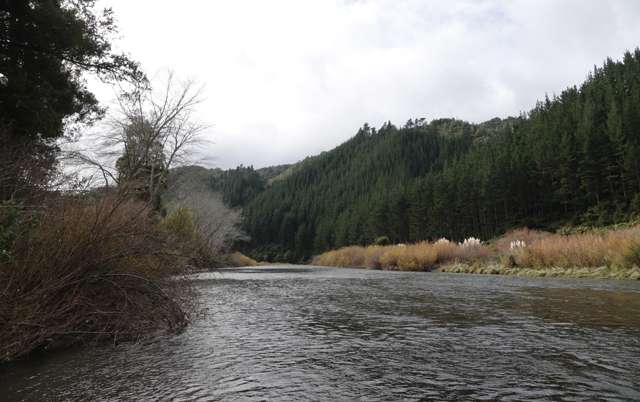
597, 253
554, 272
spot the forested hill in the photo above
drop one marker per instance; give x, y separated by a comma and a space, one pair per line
572, 159
235, 187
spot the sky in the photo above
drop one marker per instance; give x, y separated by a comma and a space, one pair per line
285, 79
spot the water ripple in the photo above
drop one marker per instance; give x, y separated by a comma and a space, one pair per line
327, 334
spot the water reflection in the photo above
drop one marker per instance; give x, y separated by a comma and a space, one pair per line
327, 334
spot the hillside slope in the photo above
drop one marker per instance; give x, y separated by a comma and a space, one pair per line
571, 159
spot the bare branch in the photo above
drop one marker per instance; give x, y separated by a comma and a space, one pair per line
151, 133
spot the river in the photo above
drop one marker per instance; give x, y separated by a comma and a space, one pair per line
306, 333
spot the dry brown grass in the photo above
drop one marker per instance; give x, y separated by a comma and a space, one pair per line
86, 269
413, 257
352, 256
619, 248
529, 236
238, 259
372, 256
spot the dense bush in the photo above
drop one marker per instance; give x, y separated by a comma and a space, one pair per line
86, 269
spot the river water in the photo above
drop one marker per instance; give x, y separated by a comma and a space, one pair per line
304, 333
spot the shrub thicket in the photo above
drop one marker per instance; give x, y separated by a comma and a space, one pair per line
84, 269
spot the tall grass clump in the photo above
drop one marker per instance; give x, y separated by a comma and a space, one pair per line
522, 237
352, 256
238, 259
616, 248
411, 257
85, 269
523, 251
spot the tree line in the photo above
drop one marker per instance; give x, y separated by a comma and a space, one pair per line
572, 159
238, 186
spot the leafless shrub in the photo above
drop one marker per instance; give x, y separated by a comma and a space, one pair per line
217, 224
88, 269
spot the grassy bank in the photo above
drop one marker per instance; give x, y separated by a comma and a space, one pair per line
612, 253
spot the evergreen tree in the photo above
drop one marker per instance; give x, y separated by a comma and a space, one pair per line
572, 159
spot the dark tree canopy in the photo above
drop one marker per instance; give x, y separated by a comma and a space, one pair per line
45, 46
239, 186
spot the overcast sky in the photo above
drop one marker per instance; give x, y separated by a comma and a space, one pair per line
290, 78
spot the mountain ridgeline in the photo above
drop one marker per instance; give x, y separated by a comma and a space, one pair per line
573, 159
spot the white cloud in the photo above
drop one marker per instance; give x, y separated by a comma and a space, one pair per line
290, 78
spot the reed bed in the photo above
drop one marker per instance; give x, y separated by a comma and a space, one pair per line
616, 248
413, 257
617, 251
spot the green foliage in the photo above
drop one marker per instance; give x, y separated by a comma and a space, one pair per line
271, 173
181, 226
381, 241
573, 159
45, 46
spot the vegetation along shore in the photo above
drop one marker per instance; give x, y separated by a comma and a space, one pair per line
605, 253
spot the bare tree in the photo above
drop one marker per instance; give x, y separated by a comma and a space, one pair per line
151, 132
218, 225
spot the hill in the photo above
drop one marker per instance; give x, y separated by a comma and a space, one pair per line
572, 159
